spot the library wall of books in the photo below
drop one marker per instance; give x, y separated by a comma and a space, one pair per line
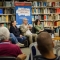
47, 12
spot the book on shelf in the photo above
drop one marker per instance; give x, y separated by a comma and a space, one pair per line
42, 17
1, 11
36, 17
44, 4
42, 23
0, 18
45, 10
58, 10
56, 4
56, 30
39, 17
57, 23
57, 17
13, 17
35, 3
3, 18
48, 24
33, 18
1, 3
8, 3
53, 3
7, 19
9, 11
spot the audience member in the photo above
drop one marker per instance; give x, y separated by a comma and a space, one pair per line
16, 32
6, 47
25, 28
45, 46
38, 26
13, 38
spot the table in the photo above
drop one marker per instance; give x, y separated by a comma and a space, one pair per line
56, 38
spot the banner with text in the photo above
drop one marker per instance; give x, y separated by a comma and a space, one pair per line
23, 10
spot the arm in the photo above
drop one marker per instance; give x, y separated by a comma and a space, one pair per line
20, 55
37, 28
23, 29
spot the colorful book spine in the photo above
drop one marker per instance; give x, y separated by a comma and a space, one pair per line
33, 18
44, 4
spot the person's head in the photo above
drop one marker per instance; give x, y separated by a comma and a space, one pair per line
44, 43
13, 23
37, 22
4, 33
1, 24
25, 21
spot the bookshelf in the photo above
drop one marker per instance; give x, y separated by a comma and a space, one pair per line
7, 11
47, 12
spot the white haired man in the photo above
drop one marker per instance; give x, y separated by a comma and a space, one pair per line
6, 47
25, 28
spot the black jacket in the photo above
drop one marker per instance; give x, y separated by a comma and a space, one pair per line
15, 31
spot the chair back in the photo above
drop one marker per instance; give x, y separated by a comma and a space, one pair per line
34, 50
7, 58
37, 57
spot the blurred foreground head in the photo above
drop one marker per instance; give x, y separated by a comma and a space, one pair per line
44, 43
4, 33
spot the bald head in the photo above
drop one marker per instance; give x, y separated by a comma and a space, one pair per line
44, 42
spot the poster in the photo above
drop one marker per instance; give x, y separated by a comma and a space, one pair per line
23, 10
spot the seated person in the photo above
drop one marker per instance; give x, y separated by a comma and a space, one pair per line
13, 38
38, 26
45, 46
7, 48
16, 32
25, 28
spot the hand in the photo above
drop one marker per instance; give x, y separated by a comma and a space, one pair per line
28, 26
21, 36
21, 57
40, 30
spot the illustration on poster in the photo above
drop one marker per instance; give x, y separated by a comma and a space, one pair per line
23, 11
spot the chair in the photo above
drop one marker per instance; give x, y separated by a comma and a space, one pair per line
34, 50
37, 57
7, 58
57, 50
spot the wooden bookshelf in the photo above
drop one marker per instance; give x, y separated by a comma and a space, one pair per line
7, 12
47, 12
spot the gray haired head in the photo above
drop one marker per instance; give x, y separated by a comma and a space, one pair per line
4, 33
25, 19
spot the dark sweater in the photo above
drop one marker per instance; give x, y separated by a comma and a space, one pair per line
43, 58
15, 31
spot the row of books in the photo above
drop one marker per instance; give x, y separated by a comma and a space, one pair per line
46, 17
36, 3
6, 18
52, 17
50, 24
7, 11
45, 10
57, 23
7, 3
